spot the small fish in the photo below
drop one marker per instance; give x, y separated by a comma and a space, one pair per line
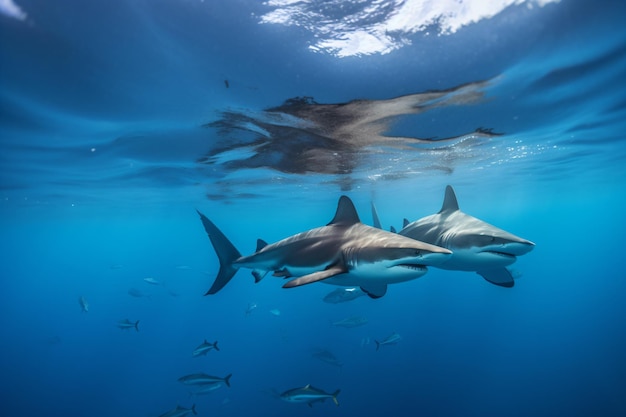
205, 389
341, 295
152, 281
275, 312
180, 411
251, 306
354, 321
84, 305
204, 348
392, 339
203, 379
127, 324
309, 395
328, 357
184, 267
226, 83
134, 292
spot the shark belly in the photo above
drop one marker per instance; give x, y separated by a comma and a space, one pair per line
363, 275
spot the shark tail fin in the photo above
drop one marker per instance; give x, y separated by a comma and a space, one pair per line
377, 344
215, 346
226, 253
193, 409
335, 397
137, 325
227, 380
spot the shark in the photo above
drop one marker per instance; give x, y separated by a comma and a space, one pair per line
476, 245
345, 252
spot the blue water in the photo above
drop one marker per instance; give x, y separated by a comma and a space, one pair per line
110, 139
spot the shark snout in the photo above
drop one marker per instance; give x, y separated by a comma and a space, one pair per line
517, 247
434, 255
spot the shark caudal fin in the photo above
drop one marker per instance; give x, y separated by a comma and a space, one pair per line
137, 325
193, 410
227, 380
226, 253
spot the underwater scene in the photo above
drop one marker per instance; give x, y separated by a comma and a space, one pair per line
305, 208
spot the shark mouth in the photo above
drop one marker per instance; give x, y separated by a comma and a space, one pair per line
503, 254
414, 267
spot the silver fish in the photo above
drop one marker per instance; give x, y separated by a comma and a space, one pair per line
204, 348
392, 339
308, 394
202, 379
127, 324
354, 321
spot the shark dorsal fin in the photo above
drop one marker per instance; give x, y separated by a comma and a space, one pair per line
449, 201
405, 222
346, 214
260, 244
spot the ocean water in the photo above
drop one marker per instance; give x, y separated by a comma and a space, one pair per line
119, 119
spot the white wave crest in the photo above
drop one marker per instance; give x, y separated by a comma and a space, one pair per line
364, 27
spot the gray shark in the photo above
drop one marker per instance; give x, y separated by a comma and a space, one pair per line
308, 394
345, 252
475, 244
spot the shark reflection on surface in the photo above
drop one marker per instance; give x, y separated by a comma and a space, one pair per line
303, 136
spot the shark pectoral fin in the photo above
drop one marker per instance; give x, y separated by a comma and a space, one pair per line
374, 290
282, 273
258, 275
316, 276
498, 276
